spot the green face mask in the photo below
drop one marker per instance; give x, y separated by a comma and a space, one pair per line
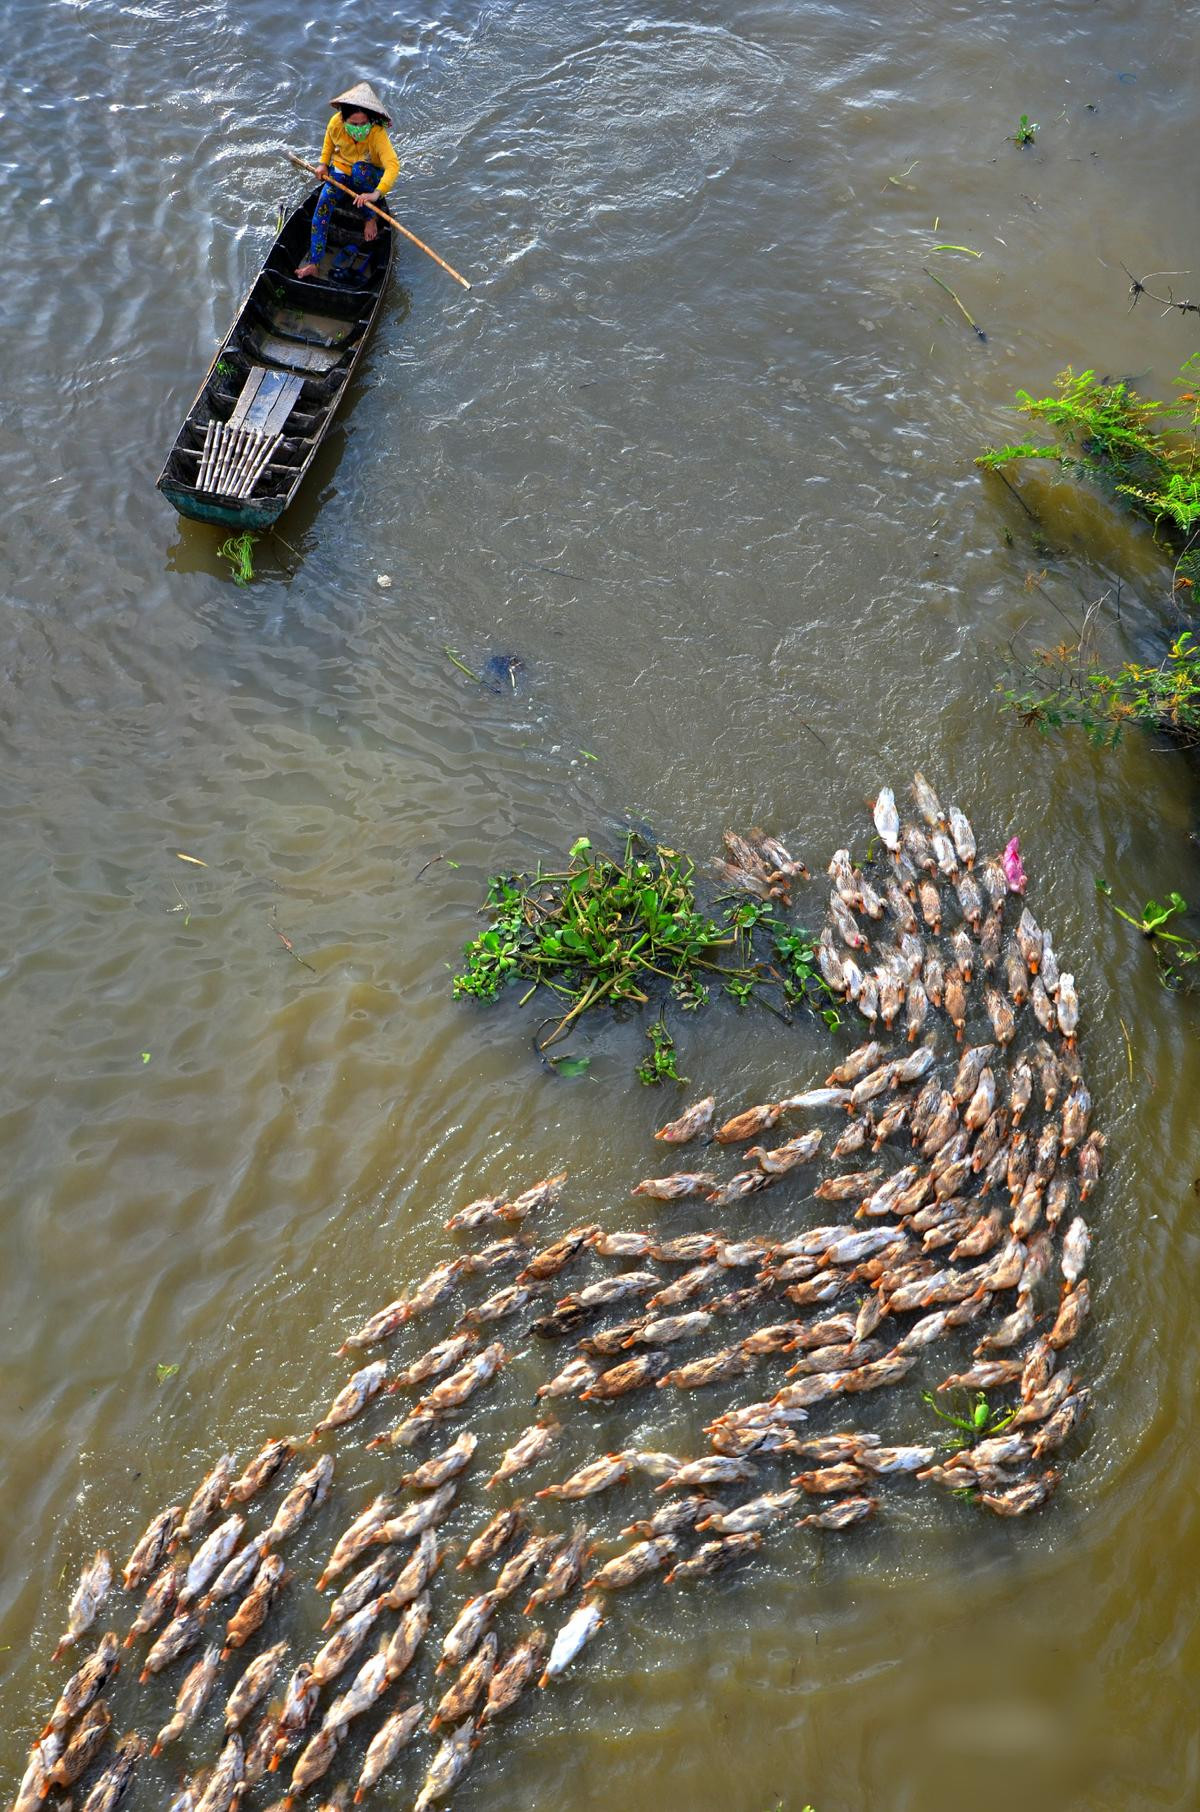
357, 133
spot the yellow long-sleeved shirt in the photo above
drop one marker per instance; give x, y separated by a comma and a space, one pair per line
341, 152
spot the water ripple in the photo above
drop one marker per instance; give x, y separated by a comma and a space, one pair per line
698, 448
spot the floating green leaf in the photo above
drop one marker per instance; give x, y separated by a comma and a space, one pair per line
659, 1066
163, 1372
1177, 956
976, 1420
461, 665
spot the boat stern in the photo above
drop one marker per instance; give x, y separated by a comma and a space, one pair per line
235, 515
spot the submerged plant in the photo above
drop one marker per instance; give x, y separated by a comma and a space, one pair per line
606, 930
238, 551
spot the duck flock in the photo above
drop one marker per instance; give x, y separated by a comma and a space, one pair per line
913, 1218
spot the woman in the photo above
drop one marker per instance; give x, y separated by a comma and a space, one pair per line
358, 152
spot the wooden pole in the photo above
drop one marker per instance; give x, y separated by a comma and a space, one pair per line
209, 470
234, 442
249, 447
258, 444
210, 434
382, 213
258, 465
225, 447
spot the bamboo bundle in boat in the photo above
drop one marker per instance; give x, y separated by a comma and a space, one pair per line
233, 444
232, 460
251, 468
211, 436
247, 459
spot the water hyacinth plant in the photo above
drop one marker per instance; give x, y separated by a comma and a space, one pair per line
975, 1420
1177, 955
659, 1065
607, 930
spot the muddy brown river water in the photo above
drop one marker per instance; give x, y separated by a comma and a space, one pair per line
698, 450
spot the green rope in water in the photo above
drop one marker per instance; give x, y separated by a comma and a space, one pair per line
237, 550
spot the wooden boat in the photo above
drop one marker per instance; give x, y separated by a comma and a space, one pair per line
278, 377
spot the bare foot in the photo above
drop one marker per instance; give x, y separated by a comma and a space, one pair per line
371, 230
306, 270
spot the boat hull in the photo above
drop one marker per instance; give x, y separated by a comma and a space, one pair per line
228, 515
290, 354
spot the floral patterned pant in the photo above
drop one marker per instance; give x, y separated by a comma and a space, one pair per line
362, 177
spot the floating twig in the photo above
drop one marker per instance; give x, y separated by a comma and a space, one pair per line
461, 665
289, 946
967, 316
1138, 287
1128, 1048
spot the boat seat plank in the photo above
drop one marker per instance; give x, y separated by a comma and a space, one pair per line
302, 421
312, 291
310, 329
291, 356
266, 401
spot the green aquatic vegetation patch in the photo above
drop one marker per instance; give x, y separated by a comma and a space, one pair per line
1145, 455
1140, 450
659, 1065
1060, 693
1177, 955
608, 930
975, 1420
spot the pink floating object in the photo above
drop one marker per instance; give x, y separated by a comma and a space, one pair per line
1014, 868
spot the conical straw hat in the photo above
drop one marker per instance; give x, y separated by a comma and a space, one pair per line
361, 95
